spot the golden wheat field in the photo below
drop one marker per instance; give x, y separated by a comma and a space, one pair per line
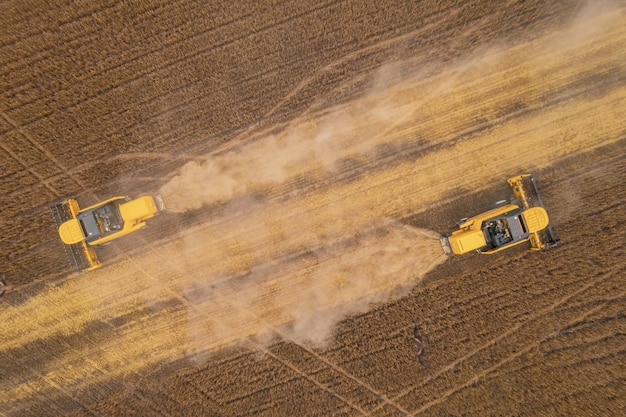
310, 154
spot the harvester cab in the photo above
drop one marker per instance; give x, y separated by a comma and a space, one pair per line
82, 229
525, 219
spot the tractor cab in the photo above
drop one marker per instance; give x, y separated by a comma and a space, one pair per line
502, 231
101, 221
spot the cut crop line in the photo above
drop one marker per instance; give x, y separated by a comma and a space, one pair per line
476, 378
506, 334
333, 366
61, 389
451, 141
185, 302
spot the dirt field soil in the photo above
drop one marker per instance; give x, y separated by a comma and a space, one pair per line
310, 154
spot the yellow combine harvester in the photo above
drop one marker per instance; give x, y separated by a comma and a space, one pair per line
505, 226
82, 229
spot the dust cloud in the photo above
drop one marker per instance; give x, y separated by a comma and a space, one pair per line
295, 268
307, 145
595, 18
317, 142
299, 268
322, 270
159, 308
305, 297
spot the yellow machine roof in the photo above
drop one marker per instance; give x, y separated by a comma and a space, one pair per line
71, 232
466, 241
138, 208
536, 219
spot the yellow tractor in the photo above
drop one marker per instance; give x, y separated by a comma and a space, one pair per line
524, 220
82, 229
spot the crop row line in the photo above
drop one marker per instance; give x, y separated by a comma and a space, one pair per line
49, 155
19, 160
181, 58
517, 354
36, 31
451, 366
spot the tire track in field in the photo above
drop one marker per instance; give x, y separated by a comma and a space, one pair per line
78, 169
317, 138
519, 352
309, 378
355, 55
170, 63
616, 270
21, 161
377, 183
49, 155
358, 189
328, 363
481, 375
524, 350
